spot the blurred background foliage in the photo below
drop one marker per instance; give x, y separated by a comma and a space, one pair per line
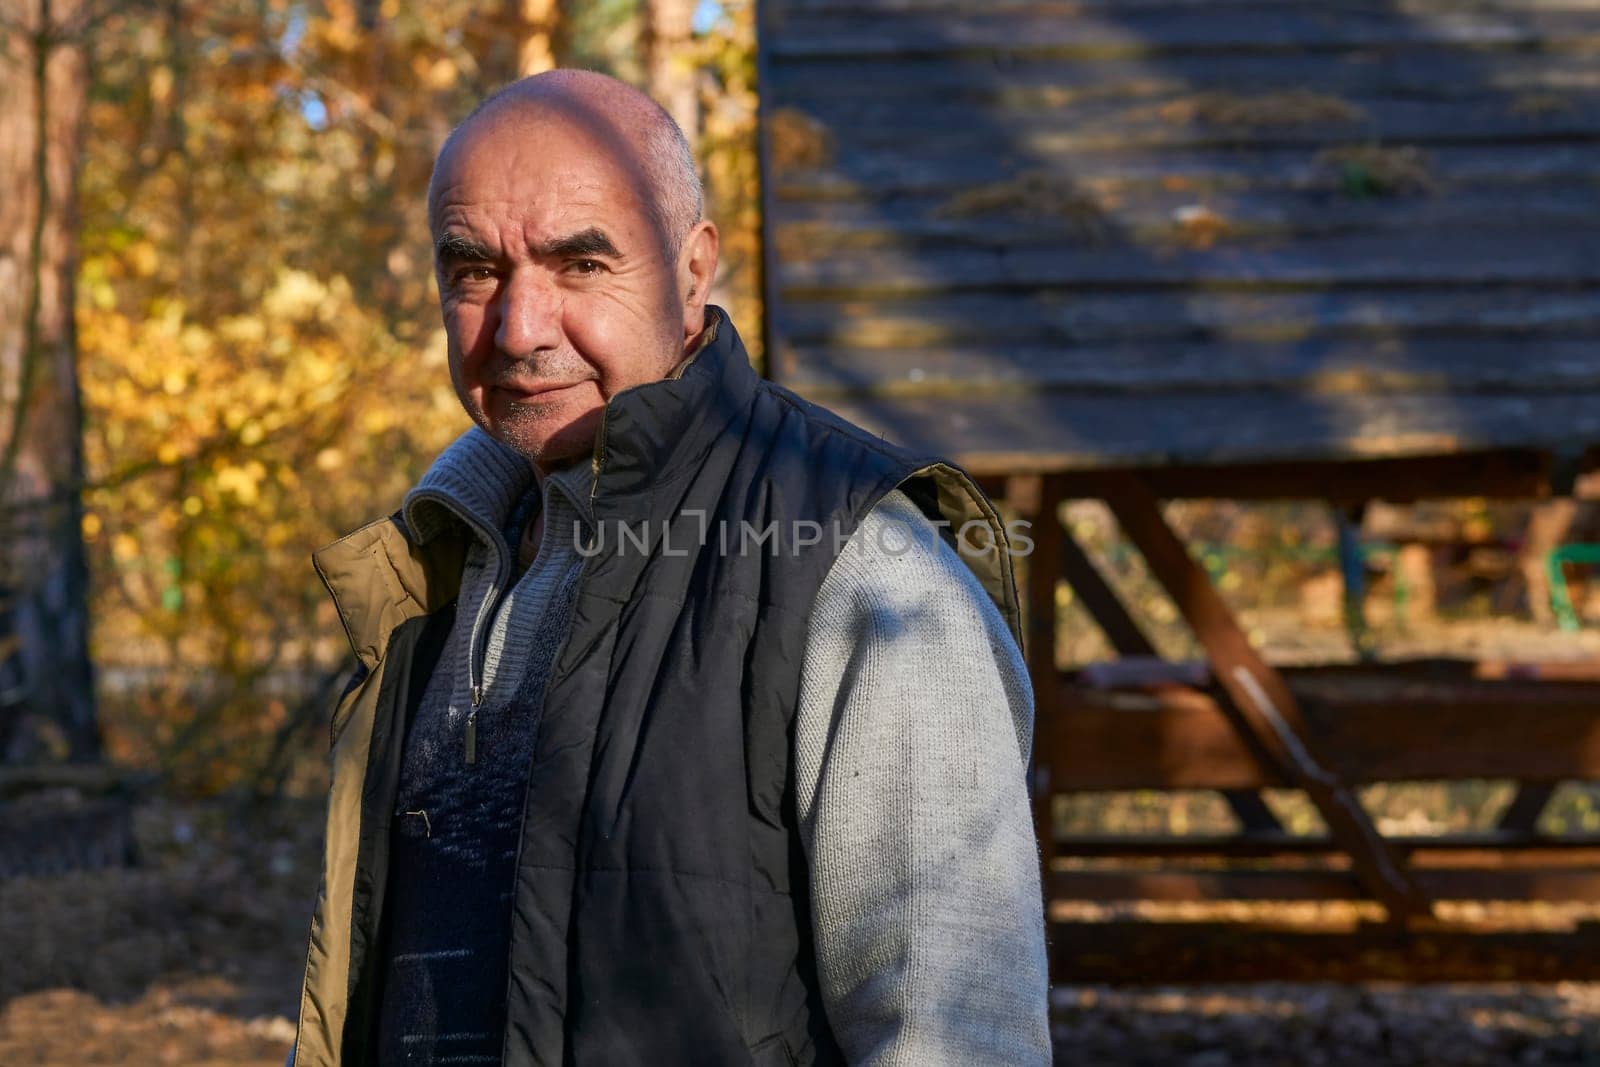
261, 360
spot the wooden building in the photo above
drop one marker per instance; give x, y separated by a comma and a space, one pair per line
1139, 249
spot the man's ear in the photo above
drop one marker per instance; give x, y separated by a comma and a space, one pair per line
697, 269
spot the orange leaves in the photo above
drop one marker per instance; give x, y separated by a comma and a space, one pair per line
441, 73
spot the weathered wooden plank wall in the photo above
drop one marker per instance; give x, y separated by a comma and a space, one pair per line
1052, 235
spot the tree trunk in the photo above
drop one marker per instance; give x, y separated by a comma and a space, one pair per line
537, 39
46, 690
669, 30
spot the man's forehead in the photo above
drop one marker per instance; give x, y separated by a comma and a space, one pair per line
531, 140
535, 204
518, 174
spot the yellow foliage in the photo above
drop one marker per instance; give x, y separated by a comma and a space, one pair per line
262, 367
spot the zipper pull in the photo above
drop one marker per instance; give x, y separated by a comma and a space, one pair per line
472, 725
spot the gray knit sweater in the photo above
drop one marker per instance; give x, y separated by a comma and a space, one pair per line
911, 742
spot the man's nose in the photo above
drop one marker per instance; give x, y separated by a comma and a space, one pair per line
530, 315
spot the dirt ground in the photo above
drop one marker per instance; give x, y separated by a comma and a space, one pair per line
193, 956
190, 958
193, 959
1274, 1024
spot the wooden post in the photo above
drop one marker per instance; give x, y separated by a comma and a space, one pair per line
1522, 814
1040, 497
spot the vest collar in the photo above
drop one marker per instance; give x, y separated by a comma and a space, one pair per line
653, 434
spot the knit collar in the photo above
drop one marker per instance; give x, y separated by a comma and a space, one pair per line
477, 480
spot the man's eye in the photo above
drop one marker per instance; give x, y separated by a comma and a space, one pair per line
472, 275
587, 266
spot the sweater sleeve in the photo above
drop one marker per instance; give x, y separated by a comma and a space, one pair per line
911, 743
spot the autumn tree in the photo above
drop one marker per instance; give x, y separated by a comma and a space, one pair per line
263, 362
46, 696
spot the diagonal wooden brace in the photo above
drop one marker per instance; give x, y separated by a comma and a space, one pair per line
1125, 635
1262, 708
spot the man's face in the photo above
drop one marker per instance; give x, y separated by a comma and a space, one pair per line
554, 282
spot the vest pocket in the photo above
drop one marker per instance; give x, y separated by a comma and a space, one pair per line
772, 1052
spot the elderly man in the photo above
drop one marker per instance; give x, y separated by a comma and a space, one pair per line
686, 729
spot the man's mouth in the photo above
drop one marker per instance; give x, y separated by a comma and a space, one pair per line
534, 390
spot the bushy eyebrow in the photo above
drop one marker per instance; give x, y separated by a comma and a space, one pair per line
589, 242
459, 248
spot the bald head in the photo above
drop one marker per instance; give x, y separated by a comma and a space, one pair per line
620, 121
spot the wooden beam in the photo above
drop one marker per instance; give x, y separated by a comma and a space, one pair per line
1178, 740
1495, 847
1374, 259
1103, 603
1179, 121
925, 169
1261, 707
1545, 884
89, 778
1408, 72
1133, 951
1153, 214
1447, 671
1374, 730
1043, 431
1042, 30
1270, 359
1507, 473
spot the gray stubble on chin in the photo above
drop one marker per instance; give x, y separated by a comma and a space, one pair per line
528, 429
